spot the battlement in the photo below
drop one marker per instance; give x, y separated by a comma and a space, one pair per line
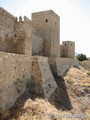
39, 36
43, 30
22, 19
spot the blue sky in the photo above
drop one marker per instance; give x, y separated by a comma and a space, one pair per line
74, 17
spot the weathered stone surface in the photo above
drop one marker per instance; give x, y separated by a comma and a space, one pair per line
60, 66
15, 72
23, 37
67, 49
15, 36
48, 22
42, 75
37, 43
37, 37
41, 35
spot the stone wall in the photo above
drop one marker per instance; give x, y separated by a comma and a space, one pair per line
68, 49
47, 22
23, 36
43, 81
6, 31
15, 72
15, 36
60, 66
37, 43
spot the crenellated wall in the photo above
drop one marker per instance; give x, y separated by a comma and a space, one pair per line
15, 36
26, 38
23, 36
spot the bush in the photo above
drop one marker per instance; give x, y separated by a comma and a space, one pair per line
81, 57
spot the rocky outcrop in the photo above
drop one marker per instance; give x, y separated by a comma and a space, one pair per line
85, 64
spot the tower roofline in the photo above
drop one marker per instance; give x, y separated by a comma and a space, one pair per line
46, 11
68, 41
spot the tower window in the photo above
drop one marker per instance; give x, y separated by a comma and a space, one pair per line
46, 20
55, 23
15, 35
71, 44
65, 44
49, 85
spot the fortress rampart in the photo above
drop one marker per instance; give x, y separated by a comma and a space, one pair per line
29, 51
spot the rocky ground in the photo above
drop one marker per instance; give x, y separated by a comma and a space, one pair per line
71, 100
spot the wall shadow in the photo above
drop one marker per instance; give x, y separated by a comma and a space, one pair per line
60, 98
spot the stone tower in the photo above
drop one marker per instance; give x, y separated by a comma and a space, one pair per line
68, 49
48, 23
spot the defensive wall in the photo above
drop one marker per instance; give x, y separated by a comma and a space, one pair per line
60, 66
15, 72
19, 40
15, 35
6, 31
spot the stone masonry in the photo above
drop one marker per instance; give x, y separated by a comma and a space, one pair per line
43, 31
15, 72
68, 49
47, 22
29, 50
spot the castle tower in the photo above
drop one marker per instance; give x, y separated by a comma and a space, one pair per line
68, 49
47, 22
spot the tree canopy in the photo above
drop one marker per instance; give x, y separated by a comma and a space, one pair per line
81, 57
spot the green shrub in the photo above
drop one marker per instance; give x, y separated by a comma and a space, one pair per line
81, 57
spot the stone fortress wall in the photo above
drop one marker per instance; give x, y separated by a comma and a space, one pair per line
43, 30
15, 72
22, 34
28, 50
6, 31
15, 57
15, 36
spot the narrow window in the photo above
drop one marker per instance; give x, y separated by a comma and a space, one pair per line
46, 20
49, 85
15, 35
65, 44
